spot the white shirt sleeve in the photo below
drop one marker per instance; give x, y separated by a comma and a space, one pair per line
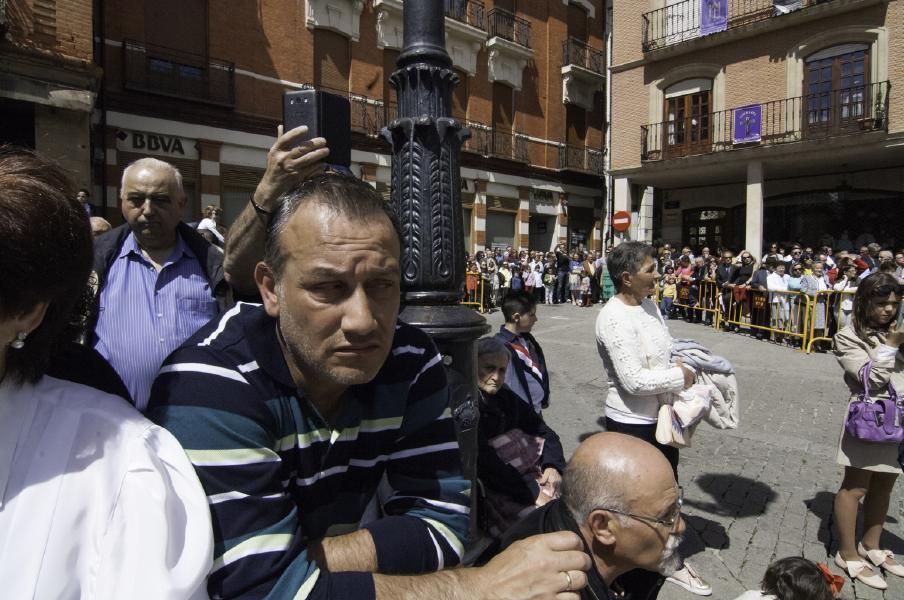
159, 543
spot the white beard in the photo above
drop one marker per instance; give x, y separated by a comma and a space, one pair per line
670, 561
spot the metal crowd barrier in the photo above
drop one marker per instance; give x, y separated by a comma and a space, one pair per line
766, 312
835, 317
473, 291
699, 299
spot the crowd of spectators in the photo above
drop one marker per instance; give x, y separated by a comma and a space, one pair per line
578, 278
756, 290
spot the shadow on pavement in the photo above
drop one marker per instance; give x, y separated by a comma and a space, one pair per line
702, 533
601, 422
821, 505
732, 495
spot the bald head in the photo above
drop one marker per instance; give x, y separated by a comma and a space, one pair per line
615, 471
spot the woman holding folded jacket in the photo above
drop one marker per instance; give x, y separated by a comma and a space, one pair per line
636, 348
870, 468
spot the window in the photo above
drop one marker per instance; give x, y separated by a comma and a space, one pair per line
390, 96
836, 88
332, 60
688, 109
503, 109
577, 22
460, 96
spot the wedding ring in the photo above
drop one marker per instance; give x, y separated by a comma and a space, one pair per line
570, 583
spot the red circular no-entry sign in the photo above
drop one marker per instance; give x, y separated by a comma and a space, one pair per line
621, 220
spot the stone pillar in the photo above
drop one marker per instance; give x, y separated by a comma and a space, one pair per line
644, 231
209, 153
522, 222
753, 238
562, 219
112, 180
622, 187
479, 214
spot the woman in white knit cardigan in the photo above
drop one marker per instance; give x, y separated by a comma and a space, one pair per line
636, 349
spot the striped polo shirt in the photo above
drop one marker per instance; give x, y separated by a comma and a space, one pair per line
278, 476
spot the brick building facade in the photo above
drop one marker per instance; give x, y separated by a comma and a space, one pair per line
48, 80
740, 122
204, 91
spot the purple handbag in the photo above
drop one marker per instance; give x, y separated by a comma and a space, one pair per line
878, 421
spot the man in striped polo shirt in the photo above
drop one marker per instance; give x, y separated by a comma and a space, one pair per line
296, 412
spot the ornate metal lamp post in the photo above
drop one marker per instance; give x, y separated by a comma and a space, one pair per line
426, 196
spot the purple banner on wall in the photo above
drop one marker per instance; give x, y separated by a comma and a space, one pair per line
713, 16
747, 122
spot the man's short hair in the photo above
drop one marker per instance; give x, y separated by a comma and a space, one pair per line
344, 196
588, 485
627, 257
151, 163
490, 345
517, 302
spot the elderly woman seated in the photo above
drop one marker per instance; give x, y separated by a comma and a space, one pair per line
95, 500
520, 460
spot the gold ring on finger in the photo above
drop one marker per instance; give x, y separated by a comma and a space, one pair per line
569, 582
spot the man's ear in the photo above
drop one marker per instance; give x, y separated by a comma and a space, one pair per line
266, 285
600, 523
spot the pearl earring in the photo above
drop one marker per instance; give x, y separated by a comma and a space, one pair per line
19, 342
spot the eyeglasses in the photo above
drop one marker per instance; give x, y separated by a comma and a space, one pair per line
669, 523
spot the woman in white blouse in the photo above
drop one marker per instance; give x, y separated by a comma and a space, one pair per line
636, 349
95, 501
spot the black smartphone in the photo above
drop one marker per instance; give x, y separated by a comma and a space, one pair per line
327, 116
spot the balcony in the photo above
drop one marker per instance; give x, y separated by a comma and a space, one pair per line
509, 47
493, 141
177, 74
469, 12
832, 114
583, 73
581, 158
507, 26
683, 21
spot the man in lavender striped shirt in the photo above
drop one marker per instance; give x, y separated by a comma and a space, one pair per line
158, 280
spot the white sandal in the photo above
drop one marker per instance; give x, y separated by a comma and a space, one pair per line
856, 570
880, 559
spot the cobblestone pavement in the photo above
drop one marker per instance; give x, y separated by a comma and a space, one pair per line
752, 495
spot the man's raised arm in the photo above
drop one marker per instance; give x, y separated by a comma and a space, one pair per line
291, 160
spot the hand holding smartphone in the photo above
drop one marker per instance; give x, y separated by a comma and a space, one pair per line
326, 115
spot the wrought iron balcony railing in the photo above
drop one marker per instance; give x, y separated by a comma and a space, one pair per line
576, 52
498, 142
169, 72
504, 24
682, 21
469, 12
581, 158
846, 111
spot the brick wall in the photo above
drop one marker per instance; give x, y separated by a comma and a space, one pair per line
270, 39
62, 27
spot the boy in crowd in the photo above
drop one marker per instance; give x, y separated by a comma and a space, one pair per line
527, 376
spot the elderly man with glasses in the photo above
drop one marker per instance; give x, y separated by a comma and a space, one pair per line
620, 496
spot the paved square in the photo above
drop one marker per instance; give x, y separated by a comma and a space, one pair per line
755, 494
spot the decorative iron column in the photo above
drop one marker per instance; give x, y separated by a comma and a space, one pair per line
426, 196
